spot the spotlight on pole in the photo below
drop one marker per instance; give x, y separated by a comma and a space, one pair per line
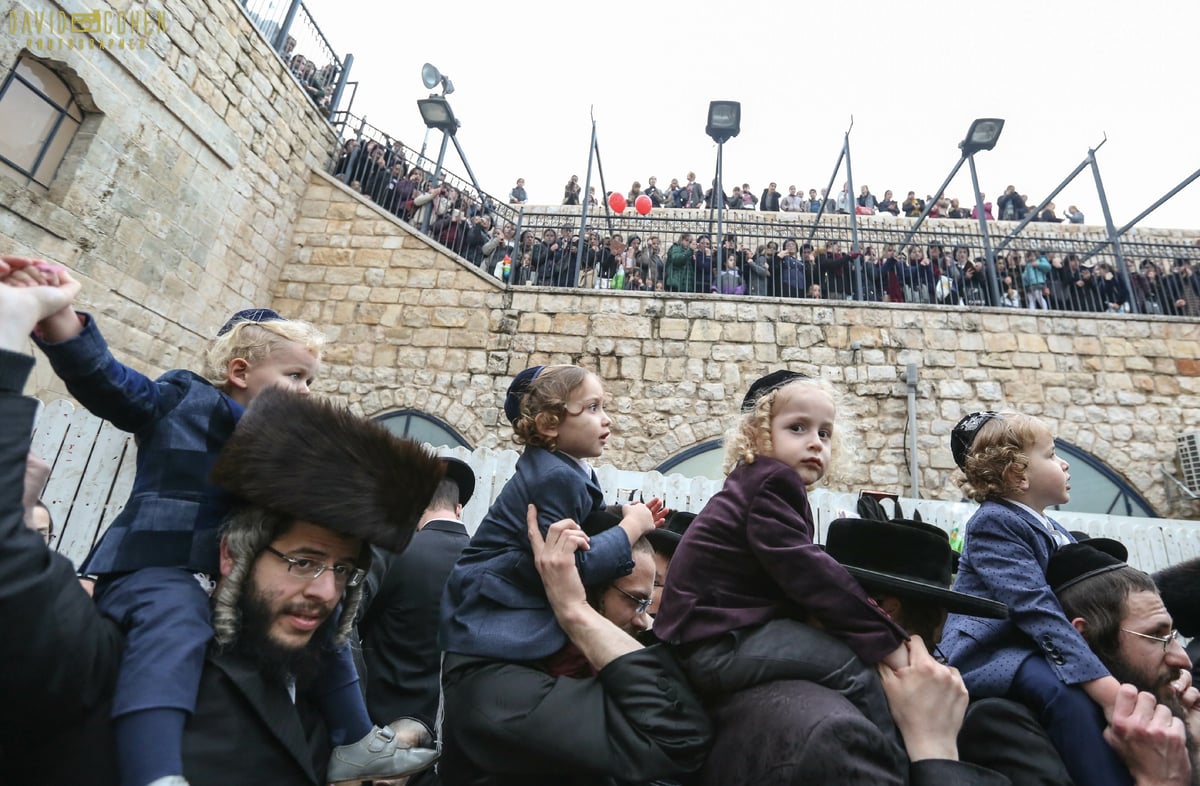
436, 113
724, 120
982, 135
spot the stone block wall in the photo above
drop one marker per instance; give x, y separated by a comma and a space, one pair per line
176, 200
412, 327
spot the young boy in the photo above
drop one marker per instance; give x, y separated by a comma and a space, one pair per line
1035, 656
155, 562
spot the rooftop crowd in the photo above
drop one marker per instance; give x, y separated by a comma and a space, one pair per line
788, 267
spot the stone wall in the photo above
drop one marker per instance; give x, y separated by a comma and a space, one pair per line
176, 200
412, 327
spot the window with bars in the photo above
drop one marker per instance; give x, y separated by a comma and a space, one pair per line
39, 116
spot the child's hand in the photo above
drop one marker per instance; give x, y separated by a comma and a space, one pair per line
31, 291
659, 510
636, 520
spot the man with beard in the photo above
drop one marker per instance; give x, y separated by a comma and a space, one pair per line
602, 711
315, 484
1118, 611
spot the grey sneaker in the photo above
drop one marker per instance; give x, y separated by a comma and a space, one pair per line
169, 780
377, 756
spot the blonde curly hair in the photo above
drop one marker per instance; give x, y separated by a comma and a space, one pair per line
255, 341
999, 456
750, 436
544, 405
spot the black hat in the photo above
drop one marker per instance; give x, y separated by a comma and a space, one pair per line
764, 385
516, 391
1076, 562
666, 538
905, 558
249, 315
463, 476
964, 434
311, 460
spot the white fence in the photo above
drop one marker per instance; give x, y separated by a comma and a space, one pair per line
93, 465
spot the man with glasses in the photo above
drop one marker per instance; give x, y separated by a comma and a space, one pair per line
604, 710
1122, 618
314, 486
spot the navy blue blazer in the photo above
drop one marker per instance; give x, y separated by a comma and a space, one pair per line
495, 605
180, 423
1004, 558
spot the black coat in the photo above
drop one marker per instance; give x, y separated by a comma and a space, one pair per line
400, 623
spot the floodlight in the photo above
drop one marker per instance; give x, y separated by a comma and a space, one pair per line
724, 120
982, 135
436, 113
431, 78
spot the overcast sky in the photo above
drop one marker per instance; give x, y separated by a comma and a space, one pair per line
913, 76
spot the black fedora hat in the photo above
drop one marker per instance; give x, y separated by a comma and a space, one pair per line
905, 558
666, 538
1076, 562
463, 476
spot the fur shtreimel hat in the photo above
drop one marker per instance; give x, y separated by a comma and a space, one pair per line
317, 462
1179, 586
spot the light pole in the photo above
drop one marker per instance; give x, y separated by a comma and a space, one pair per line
982, 135
724, 123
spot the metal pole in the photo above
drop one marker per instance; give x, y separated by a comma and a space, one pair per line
989, 255
910, 377
719, 195
1033, 214
812, 231
587, 182
1187, 181
336, 99
433, 181
463, 157
284, 29
603, 187
857, 262
1113, 237
933, 201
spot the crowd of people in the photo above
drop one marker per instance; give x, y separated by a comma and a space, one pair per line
1011, 206
931, 273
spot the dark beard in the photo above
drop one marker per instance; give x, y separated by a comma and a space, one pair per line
1164, 693
272, 658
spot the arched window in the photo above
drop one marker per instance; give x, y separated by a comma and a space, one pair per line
411, 424
39, 116
699, 461
1096, 488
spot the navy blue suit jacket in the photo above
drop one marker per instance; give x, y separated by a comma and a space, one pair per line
495, 605
180, 422
1004, 558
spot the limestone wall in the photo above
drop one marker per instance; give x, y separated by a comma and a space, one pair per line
176, 201
413, 327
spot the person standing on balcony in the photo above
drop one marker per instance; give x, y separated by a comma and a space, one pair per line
518, 196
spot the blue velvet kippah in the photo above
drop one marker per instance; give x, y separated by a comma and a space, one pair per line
249, 315
516, 391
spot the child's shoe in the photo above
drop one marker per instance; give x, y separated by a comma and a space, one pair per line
377, 755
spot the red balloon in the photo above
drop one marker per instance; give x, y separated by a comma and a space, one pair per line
643, 204
616, 201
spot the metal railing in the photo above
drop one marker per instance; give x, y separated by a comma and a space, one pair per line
298, 40
883, 270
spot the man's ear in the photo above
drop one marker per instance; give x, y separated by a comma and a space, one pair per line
1080, 625
458, 511
235, 373
226, 559
892, 605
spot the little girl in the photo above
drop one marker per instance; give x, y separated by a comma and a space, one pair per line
1036, 656
495, 605
747, 575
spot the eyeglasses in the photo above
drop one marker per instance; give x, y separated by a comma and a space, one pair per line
343, 575
643, 604
1165, 641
